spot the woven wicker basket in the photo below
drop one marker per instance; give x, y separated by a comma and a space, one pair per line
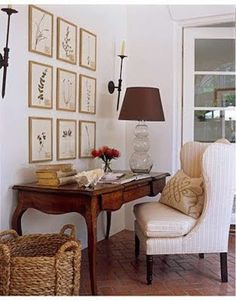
40, 264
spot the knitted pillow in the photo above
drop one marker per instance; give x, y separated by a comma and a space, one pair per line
184, 194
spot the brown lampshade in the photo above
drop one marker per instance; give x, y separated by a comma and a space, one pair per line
142, 103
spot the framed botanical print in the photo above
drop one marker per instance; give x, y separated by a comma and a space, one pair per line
40, 139
87, 94
40, 85
88, 49
87, 138
66, 90
66, 41
40, 31
66, 139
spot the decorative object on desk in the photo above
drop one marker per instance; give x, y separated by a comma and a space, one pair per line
40, 139
38, 264
55, 174
40, 31
66, 90
87, 94
87, 138
142, 104
106, 154
111, 85
66, 41
40, 85
66, 139
4, 58
88, 49
89, 178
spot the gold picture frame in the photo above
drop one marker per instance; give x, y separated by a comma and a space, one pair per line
66, 139
87, 138
87, 94
66, 96
66, 41
40, 139
40, 85
88, 49
40, 31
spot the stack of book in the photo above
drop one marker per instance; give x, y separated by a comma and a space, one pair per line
55, 174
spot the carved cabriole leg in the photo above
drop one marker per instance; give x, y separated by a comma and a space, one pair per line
201, 255
149, 261
137, 246
91, 221
223, 267
108, 224
17, 215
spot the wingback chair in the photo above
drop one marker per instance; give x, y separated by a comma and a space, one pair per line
163, 230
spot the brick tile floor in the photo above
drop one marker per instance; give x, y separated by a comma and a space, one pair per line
120, 274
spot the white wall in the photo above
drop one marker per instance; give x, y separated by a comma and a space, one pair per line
106, 22
150, 63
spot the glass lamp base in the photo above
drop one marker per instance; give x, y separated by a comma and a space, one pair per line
140, 161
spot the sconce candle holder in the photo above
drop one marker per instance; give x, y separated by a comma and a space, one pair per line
4, 58
111, 85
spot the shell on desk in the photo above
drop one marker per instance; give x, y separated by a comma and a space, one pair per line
89, 178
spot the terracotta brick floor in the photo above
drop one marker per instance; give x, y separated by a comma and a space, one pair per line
118, 273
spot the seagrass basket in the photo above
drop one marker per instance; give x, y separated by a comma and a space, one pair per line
40, 264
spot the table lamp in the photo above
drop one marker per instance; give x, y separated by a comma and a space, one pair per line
141, 104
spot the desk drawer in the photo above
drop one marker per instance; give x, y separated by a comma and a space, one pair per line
138, 192
112, 200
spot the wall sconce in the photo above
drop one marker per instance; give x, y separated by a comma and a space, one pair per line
4, 58
111, 85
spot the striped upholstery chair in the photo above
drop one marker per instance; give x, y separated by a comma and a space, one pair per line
163, 230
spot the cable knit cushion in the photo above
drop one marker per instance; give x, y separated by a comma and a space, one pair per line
184, 194
158, 220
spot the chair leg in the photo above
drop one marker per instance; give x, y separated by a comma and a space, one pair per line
149, 260
201, 255
223, 267
137, 246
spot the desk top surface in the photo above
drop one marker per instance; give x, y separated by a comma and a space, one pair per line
98, 189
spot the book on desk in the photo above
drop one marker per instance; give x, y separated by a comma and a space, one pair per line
122, 178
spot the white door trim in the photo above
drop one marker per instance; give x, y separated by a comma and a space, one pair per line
179, 27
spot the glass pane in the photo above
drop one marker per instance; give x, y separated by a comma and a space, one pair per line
215, 124
214, 90
215, 55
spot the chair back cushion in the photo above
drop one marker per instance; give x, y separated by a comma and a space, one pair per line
191, 156
184, 194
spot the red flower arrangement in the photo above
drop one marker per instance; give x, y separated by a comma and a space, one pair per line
106, 154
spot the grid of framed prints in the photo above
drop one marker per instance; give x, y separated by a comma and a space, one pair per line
40, 139
40, 31
40, 88
87, 138
66, 139
66, 90
87, 94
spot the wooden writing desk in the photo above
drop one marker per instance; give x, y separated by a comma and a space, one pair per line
88, 202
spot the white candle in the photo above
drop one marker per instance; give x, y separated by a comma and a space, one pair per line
123, 48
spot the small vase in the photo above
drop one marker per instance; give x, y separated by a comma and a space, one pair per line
107, 166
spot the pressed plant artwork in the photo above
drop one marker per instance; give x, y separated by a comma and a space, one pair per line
87, 138
66, 90
40, 85
88, 48
66, 41
87, 97
40, 31
40, 139
66, 139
